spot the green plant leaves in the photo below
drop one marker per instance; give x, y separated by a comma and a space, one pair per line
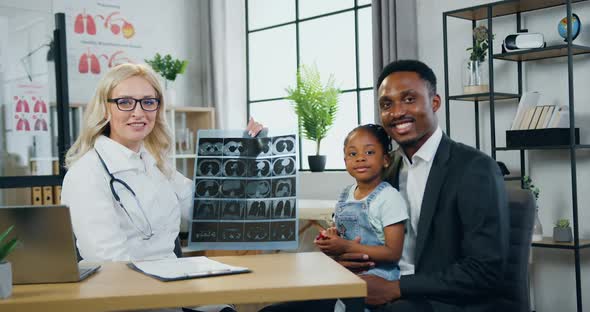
528, 185
562, 223
167, 67
315, 104
6, 249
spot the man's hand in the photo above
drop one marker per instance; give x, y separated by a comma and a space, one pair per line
355, 262
380, 291
332, 244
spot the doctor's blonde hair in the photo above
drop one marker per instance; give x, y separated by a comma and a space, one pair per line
157, 142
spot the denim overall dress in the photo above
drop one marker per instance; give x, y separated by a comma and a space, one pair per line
352, 220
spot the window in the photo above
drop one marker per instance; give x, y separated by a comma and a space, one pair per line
335, 35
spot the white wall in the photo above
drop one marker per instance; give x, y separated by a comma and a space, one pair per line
553, 270
174, 30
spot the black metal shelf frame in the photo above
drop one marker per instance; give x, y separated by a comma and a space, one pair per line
62, 107
515, 7
297, 22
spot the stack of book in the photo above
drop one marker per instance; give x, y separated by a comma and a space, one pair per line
539, 125
530, 115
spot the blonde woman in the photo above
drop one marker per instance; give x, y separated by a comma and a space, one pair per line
125, 200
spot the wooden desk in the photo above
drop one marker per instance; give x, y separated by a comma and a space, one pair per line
275, 278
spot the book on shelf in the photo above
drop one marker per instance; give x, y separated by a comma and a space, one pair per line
545, 116
536, 116
527, 101
560, 117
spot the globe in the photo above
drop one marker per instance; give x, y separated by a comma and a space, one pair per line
562, 27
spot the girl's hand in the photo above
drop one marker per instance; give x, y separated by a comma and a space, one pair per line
332, 231
332, 244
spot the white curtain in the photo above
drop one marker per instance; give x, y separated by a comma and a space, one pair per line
394, 35
225, 62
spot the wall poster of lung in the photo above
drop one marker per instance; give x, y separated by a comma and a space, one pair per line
245, 192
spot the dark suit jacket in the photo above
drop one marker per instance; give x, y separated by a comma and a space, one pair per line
462, 240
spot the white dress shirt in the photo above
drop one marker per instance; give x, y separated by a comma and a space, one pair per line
103, 230
412, 182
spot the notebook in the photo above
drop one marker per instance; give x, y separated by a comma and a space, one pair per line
46, 252
174, 269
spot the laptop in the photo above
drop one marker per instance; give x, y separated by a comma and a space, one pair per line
47, 251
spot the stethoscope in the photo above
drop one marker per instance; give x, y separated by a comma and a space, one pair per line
146, 234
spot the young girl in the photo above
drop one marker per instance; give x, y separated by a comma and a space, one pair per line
370, 209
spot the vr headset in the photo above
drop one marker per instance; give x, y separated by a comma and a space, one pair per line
523, 41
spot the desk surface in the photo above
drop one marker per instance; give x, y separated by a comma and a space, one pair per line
276, 277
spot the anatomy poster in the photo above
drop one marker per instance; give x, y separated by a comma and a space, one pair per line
101, 35
245, 192
30, 110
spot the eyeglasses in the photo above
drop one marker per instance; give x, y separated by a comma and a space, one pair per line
129, 104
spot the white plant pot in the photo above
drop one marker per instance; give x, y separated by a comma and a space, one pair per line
170, 97
5, 280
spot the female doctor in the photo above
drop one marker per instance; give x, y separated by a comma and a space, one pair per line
125, 199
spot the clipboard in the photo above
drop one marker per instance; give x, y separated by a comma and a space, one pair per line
176, 269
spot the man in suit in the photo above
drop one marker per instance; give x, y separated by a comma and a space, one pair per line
456, 241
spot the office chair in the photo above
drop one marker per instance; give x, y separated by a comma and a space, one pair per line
515, 288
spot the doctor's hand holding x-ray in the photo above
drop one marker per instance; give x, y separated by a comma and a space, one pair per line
125, 199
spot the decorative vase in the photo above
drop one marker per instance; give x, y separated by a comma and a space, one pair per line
5, 280
475, 77
562, 235
537, 228
317, 163
169, 94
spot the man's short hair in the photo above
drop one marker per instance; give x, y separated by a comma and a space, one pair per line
415, 66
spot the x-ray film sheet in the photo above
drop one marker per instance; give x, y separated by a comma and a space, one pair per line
245, 191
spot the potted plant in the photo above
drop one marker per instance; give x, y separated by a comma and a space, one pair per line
5, 267
316, 105
537, 227
168, 68
475, 77
562, 232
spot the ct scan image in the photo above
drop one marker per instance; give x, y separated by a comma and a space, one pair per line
235, 147
235, 167
206, 210
209, 167
282, 231
232, 210
233, 188
284, 145
231, 232
210, 147
204, 231
258, 188
207, 188
257, 231
261, 168
258, 209
283, 209
284, 166
284, 187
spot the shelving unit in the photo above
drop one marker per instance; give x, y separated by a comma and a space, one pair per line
193, 119
488, 12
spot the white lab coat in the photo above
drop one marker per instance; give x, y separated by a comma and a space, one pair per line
103, 231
